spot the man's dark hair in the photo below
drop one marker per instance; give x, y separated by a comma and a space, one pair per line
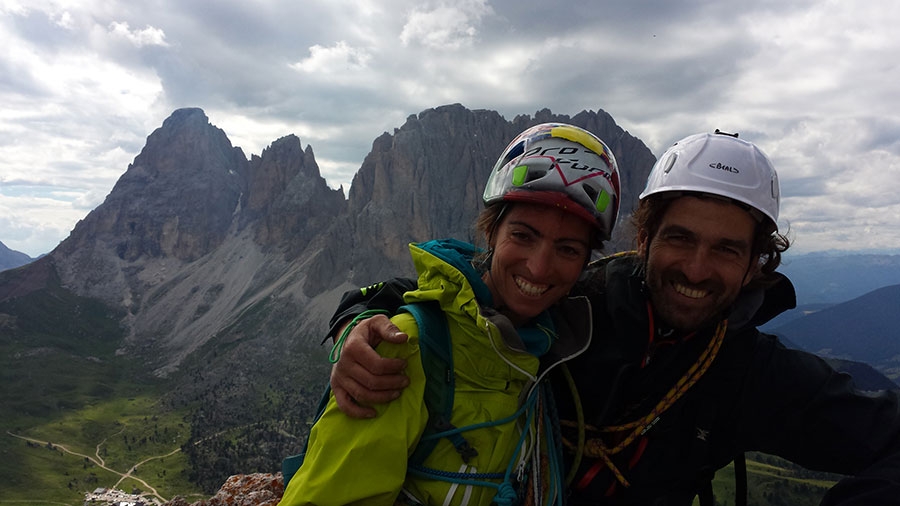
768, 243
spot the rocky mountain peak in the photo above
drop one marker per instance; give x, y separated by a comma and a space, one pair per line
430, 173
177, 197
193, 233
287, 198
175, 201
222, 271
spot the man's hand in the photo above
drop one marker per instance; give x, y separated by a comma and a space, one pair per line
361, 376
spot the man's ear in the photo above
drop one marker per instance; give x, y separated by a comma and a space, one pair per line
643, 239
752, 272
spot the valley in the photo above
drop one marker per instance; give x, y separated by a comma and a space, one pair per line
125, 444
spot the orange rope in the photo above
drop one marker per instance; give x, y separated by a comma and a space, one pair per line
595, 447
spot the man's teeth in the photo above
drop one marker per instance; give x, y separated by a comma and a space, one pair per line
530, 289
690, 292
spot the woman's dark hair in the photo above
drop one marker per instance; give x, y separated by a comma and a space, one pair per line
485, 225
488, 219
768, 243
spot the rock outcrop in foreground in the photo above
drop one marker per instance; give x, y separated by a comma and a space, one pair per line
242, 490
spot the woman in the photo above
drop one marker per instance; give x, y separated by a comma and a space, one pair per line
551, 198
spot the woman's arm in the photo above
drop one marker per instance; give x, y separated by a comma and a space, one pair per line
363, 461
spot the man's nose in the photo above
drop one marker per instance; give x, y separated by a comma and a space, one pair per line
697, 265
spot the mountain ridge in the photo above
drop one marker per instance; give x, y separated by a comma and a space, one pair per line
10, 259
222, 271
830, 333
217, 273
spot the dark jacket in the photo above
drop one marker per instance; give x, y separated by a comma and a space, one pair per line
756, 395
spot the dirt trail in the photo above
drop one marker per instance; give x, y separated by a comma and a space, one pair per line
99, 462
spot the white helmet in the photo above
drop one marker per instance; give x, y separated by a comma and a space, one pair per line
718, 164
559, 165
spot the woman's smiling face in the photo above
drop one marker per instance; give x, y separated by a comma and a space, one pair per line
538, 254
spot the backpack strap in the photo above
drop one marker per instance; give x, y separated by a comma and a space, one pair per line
740, 479
436, 349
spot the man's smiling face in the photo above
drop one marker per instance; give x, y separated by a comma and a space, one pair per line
698, 261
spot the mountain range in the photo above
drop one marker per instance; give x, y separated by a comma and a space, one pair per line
846, 312
193, 235
210, 277
205, 280
831, 277
864, 329
10, 259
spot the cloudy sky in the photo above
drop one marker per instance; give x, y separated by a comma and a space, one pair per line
814, 83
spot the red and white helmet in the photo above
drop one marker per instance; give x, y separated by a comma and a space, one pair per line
560, 165
722, 165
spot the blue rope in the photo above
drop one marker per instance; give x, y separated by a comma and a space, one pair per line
506, 493
451, 475
554, 447
459, 430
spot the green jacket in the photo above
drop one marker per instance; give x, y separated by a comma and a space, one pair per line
364, 461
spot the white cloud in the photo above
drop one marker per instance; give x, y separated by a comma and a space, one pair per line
445, 26
333, 60
148, 36
35, 225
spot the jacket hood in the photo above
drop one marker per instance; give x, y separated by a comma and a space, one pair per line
459, 255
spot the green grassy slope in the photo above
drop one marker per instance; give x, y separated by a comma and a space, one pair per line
63, 386
772, 481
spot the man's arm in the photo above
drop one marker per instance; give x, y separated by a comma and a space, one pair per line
879, 484
814, 416
361, 376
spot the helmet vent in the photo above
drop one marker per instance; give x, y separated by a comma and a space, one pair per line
670, 162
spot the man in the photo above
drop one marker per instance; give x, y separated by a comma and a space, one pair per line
678, 381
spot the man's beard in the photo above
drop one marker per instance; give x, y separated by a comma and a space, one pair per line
677, 310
